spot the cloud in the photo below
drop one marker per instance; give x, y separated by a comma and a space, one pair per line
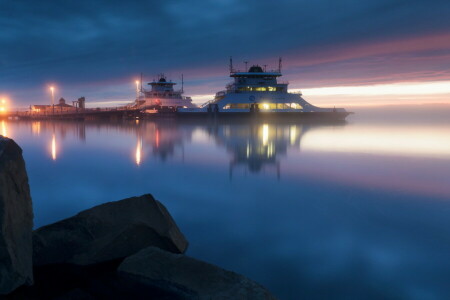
78, 43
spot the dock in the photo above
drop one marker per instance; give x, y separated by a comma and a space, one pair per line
119, 113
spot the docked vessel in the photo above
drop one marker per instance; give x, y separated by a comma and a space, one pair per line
257, 92
162, 96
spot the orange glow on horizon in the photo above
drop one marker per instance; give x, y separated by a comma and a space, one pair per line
391, 89
380, 94
407, 140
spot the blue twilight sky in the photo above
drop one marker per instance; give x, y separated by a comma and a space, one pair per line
98, 49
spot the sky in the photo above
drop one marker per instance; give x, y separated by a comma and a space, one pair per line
349, 52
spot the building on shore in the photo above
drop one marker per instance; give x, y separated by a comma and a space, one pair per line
60, 107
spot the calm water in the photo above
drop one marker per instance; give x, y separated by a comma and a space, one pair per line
354, 211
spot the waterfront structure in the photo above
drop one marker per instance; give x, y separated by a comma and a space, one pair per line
257, 92
60, 107
162, 96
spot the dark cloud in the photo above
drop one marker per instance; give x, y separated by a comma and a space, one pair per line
75, 43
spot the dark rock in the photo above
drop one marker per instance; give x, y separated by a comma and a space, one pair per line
106, 232
187, 277
99, 281
16, 219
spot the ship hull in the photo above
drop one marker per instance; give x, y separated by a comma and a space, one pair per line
297, 116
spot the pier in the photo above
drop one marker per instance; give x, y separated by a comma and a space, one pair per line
115, 113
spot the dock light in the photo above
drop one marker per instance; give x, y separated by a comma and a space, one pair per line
265, 106
52, 90
3, 105
137, 89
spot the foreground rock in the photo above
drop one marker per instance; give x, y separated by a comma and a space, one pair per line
107, 232
16, 219
187, 277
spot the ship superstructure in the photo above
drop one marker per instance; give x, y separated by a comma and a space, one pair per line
258, 91
162, 95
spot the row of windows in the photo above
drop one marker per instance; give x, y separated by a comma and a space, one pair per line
260, 89
264, 106
162, 94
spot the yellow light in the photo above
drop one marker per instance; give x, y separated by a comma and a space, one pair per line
138, 152
36, 128
3, 101
293, 134
2, 109
54, 147
265, 134
266, 106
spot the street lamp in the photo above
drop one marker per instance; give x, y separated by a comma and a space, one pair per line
137, 89
52, 90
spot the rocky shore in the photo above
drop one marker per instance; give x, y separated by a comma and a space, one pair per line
127, 249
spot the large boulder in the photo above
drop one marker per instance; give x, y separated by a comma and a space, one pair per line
187, 277
16, 219
108, 232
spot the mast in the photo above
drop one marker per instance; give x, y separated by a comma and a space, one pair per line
141, 83
246, 64
231, 64
182, 83
279, 65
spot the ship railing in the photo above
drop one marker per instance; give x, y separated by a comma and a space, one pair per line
207, 103
72, 111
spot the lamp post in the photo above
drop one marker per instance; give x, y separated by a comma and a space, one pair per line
52, 90
137, 89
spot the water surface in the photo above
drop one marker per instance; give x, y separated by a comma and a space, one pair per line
352, 211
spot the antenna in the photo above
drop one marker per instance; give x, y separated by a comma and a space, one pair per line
141, 83
265, 67
182, 83
231, 64
279, 65
246, 63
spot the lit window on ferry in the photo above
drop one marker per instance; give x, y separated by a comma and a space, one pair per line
296, 106
237, 106
260, 89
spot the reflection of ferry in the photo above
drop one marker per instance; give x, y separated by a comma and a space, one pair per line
162, 96
257, 92
256, 145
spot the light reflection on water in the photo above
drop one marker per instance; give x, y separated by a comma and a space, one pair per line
317, 211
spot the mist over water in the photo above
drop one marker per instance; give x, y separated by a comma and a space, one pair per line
357, 210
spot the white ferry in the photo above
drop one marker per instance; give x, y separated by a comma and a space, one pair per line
256, 92
162, 96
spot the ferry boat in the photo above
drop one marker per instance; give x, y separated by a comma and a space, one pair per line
257, 92
162, 97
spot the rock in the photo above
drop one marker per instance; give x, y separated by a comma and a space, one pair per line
188, 277
16, 219
109, 231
